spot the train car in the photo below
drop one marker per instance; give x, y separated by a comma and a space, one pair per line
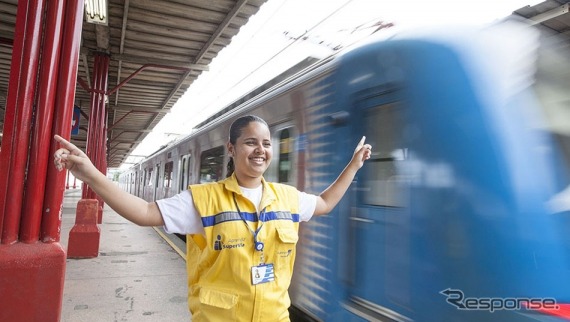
461, 214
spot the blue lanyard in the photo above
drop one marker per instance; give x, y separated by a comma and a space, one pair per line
258, 244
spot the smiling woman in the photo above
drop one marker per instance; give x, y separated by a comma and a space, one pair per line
229, 220
250, 150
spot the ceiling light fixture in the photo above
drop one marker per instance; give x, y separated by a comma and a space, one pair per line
96, 11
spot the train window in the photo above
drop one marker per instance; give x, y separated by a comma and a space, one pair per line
157, 175
382, 181
149, 177
285, 149
212, 164
167, 178
184, 172
132, 183
183, 169
551, 85
141, 183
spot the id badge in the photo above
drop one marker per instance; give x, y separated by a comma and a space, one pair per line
262, 274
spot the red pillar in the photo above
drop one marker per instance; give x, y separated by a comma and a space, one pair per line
63, 114
19, 109
102, 129
84, 236
41, 134
32, 271
90, 150
97, 135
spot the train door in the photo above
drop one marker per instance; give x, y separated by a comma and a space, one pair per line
379, 235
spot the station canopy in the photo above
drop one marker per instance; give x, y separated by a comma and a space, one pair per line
182, 37
170, 43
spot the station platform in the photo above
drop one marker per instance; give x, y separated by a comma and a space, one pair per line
138, 275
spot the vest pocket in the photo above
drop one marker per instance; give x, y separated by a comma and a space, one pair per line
218, 305
286, 251
288, 235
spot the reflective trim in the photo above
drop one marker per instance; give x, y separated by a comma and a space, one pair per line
281, 215
210, 221
220, 218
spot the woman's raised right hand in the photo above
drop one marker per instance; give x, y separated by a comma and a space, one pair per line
73, 159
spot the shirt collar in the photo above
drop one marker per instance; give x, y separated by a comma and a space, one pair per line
267, 197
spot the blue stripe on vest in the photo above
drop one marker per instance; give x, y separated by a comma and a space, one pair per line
210, 221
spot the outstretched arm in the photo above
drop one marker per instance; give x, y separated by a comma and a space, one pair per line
329, 198
129, 206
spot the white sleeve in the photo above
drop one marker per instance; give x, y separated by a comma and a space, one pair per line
180, 215
307, 206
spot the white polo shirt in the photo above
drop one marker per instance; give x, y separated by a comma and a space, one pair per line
180, 215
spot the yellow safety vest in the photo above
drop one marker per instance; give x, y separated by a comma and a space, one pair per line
221, 265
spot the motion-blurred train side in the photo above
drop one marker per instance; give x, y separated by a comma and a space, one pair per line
461, 214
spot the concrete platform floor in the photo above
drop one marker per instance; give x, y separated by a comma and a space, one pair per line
136, 277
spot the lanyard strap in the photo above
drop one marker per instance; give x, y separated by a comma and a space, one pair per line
258, 244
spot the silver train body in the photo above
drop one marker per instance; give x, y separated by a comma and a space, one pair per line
460, 214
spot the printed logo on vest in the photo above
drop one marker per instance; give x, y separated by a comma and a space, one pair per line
218, 244
232, 243
284, 254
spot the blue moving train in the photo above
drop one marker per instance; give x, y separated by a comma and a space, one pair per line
463, 211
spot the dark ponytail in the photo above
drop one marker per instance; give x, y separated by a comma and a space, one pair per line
230, 167
235, 132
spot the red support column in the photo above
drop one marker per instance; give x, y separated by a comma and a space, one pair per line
19, 107
32, 271
31, 280
105, 146
97, 136
63, 114
102, 130
84, 236
91, 132
10, 113
41, 135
